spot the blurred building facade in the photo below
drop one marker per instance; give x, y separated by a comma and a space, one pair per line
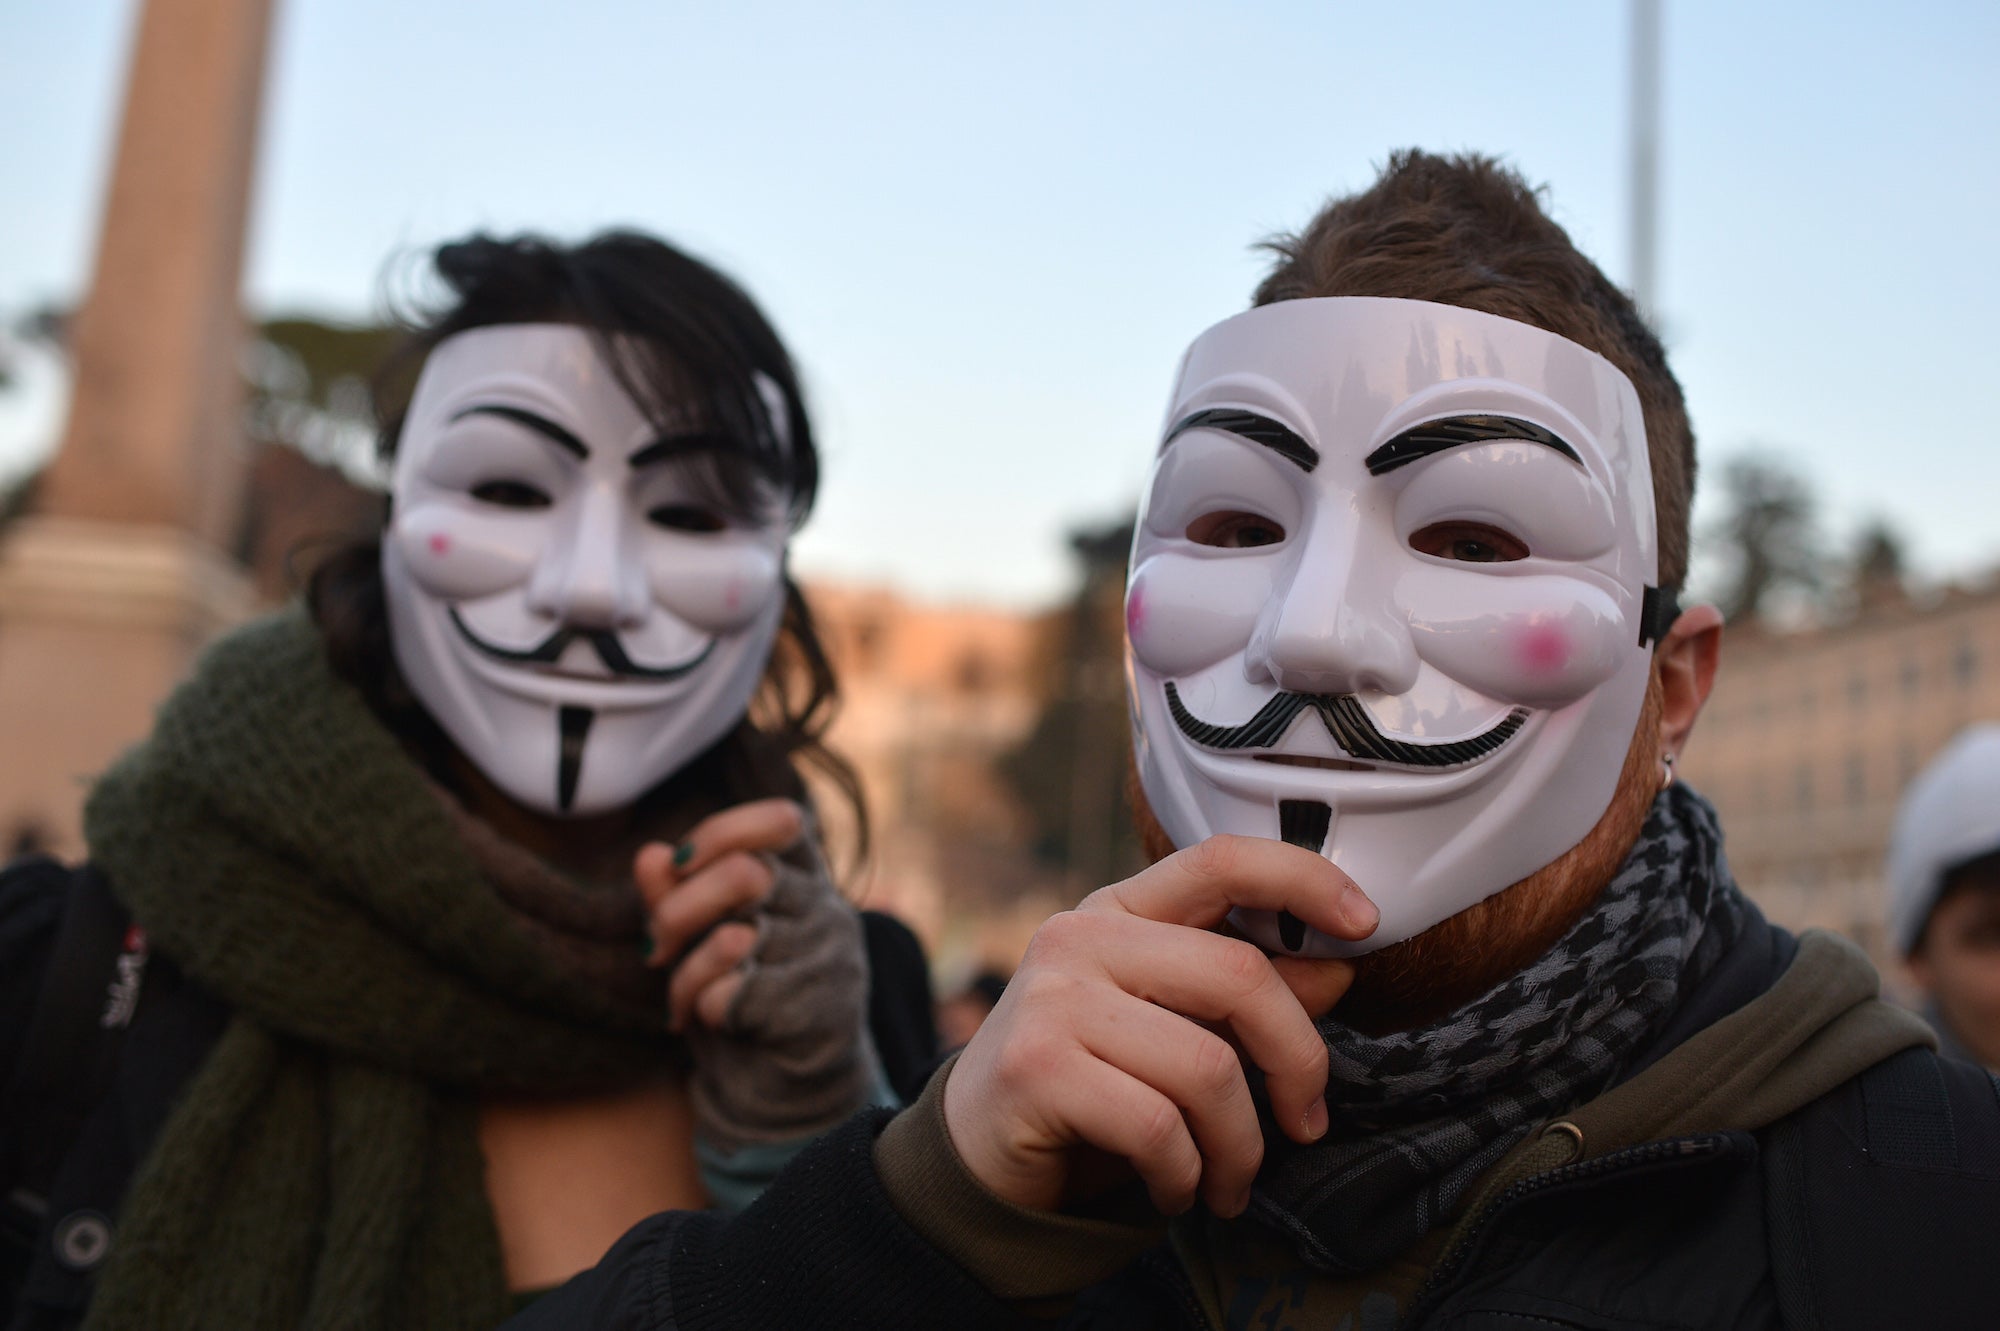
1071, 770
68, 590
1811, 736
934, 699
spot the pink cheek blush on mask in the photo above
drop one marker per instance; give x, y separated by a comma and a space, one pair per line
1543, 649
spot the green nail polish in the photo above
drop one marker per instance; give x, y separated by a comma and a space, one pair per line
683, 853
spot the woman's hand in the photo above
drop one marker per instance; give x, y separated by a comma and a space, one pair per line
1127, 1027
702, 897
770, 980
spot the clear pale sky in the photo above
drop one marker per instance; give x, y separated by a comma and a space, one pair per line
988, 230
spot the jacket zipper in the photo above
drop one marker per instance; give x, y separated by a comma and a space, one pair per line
1168, 1273
1446, 1275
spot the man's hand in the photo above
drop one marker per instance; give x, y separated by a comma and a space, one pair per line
1122, 1029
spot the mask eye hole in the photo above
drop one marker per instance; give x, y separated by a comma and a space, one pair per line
511, 494
1467, 543
1234, 530
685, 517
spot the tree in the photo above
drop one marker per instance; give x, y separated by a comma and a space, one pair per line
308, 387
31, 352
1876, 569
1769, 535
1069, 771
17, 497
40, 332
306, 394
311, 425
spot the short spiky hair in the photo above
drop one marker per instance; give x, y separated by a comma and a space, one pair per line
1467, 231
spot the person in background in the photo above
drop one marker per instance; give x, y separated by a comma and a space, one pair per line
1944, 893
961, 1015
447, 925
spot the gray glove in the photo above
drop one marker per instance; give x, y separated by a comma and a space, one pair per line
793, 1057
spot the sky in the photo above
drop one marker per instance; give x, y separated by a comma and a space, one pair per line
987, 231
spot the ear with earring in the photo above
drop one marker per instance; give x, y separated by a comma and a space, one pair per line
1667, 769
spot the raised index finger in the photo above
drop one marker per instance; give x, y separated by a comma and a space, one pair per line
1200, 885
759, 826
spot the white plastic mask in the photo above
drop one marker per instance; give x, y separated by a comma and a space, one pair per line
564, 598
1315, 649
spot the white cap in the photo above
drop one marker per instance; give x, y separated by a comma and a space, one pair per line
1950, 814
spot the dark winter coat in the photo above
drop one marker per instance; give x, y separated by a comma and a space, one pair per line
98, 1035
1873, 1203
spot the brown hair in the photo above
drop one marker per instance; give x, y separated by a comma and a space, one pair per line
1467, 231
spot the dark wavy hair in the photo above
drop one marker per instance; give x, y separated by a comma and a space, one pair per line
671, 327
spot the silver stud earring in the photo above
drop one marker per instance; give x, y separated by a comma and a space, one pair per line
1667, 763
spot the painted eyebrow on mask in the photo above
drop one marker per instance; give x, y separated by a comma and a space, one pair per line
675, 445
1420, 441
1274, 435
541, 425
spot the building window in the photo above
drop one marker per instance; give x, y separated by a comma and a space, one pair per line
973, 673
867, 644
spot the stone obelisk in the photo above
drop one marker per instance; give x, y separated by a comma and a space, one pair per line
122, 572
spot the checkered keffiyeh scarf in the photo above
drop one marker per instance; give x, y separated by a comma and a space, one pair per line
1419, 1115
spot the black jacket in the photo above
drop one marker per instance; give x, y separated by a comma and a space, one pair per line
1875, 1205
97, 1037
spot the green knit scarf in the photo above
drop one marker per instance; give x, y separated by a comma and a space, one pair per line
322, 1169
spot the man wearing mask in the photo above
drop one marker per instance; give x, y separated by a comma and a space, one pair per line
1439, 1006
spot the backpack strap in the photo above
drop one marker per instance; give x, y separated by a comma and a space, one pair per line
98, 1072
89, 988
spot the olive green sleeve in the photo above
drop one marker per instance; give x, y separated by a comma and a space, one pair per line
1019, 1254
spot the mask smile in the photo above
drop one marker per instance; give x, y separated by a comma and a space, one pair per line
602, 641
1349, 724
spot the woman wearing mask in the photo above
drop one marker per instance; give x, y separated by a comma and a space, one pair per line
475, 909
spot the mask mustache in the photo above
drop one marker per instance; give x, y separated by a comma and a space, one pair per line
1349, 724
602, 641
